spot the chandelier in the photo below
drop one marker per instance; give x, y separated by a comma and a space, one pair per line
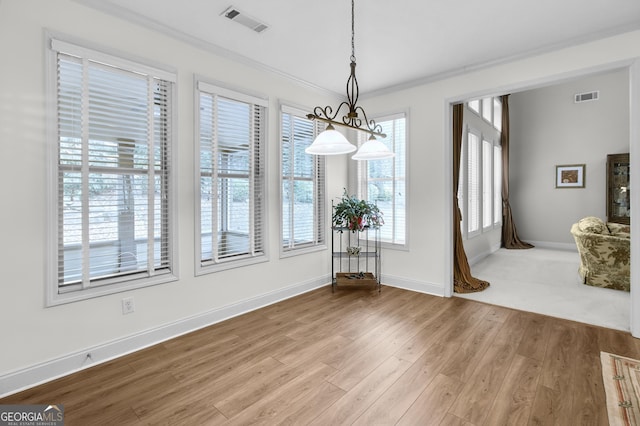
332, 142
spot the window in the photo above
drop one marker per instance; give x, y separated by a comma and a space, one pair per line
231, 206
112, 171
497, 114
487, 111
487, 184
384, 181
473, 184
303, 184
462, 189
480, 187
497, 184
490, 109
475, 105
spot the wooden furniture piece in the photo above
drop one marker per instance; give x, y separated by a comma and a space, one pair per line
355, 258
618, 199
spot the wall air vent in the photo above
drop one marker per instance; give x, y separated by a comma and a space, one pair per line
244, 19
586, 97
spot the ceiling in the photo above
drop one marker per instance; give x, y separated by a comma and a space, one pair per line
397, 43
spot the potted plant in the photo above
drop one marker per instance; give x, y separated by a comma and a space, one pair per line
355, 214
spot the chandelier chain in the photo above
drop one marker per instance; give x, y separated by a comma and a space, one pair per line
353, 32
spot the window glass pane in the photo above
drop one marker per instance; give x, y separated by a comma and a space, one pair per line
487, 104
303, 211
206, 211
117, 111
233, 216
497, 184
302, 183
117, 201
286, 146
487, 184
497, 114
231, 178
473, 183
383, 181
462, 192
303, 136
475, 105
287, 219
381, 192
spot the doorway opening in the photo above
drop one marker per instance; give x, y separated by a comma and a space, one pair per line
630, 69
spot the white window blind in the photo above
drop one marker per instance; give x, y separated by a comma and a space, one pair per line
473, 184
113, 168
384, 181
487, 184
497, 184
303, 183
232, 182
462, 189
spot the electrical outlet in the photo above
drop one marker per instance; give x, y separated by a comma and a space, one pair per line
127, 306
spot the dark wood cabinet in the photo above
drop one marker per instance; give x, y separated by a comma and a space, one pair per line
618, 199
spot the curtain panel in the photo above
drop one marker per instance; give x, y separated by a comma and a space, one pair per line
463, 281
510, 239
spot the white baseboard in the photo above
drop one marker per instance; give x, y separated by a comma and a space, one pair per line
540, 244
22, 379
555, 246
477, 258
413, 285
473, 260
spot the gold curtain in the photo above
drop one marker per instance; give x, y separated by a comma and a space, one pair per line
510, 239
463, 281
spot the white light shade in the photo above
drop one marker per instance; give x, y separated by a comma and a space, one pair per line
373, 149
330, 142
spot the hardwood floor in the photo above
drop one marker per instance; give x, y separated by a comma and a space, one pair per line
354, 357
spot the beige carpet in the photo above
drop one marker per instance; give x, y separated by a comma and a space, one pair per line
621, 377
546, 281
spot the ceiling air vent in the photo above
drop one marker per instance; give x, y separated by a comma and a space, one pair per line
586, 97
244, 19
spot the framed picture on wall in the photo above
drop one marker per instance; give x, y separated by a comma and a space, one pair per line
570, 176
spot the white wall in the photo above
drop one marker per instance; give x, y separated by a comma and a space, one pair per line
32, 334
547, 129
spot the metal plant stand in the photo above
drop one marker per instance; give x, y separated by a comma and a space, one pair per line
355, 258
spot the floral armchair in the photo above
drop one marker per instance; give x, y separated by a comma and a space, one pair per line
604, 253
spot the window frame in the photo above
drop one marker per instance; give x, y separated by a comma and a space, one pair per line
362, 178
319, 242
202, 267
58, 44
485, 108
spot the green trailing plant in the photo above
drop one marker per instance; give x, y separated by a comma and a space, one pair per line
355, 214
